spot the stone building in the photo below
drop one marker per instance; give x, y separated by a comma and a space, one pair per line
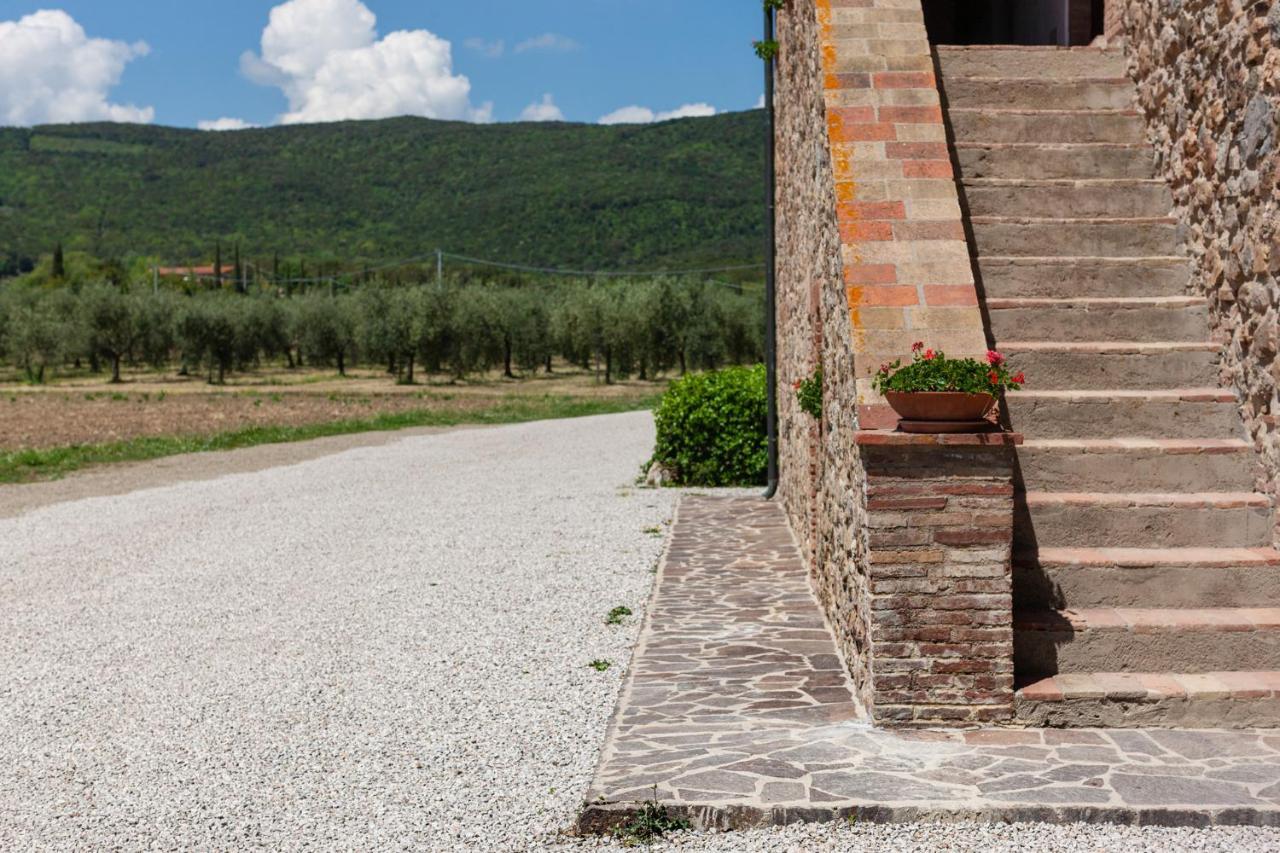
1093, 189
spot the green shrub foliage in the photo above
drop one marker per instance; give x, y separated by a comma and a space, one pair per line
712, 428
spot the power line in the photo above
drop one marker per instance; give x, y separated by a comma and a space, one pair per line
438, 255
601, 273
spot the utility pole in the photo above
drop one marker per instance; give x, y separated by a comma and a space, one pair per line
439, 269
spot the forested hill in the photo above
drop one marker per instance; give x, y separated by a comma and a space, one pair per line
685, 192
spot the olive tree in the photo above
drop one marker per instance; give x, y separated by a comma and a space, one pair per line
327, 327
110, 320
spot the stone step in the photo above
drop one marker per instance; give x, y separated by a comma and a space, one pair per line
1146, 639
1036, 161
1235, 699
1096, 93
1112, 413
1107, 199
1049, 63
1005, 277
1045, 124
1179, 576
1157, 318
1137, 465
1116, 238
1129, 520
1113, 364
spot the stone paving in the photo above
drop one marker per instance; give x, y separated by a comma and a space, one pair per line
737, 712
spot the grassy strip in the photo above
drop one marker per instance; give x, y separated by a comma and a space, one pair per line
26, 465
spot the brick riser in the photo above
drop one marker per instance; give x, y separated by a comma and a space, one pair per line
1142, 562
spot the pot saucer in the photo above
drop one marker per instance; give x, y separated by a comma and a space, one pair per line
905, 425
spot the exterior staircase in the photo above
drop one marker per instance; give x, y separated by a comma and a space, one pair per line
1146, 588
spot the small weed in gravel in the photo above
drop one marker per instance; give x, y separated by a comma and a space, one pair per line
652, 821
600, 665
119, 398
616, 614
653, 531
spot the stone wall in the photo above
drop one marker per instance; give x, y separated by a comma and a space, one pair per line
821, 482
1208, 75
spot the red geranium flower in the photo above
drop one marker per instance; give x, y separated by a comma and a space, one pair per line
917, 346
1019, 379
929, 355
994, 377
994, 358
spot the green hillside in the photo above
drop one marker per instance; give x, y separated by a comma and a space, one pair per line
684, 192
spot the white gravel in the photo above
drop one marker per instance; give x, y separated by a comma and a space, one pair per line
381, 649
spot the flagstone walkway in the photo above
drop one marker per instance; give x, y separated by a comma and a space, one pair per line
737, 712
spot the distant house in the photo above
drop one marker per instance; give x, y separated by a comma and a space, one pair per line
190, 272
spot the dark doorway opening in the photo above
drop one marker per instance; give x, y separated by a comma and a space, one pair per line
1028, 22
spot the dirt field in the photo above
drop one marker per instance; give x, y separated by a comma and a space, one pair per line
85, 409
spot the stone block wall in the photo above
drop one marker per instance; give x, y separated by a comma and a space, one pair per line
821, 481
940, 531
1208, 76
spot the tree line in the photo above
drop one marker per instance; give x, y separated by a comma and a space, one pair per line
619, 329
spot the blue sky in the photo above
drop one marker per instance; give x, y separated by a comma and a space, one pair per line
182, 62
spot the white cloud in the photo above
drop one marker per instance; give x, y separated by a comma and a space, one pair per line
51, 71
544, 110
760, 103
643, 115
548, 41
224, 123
325, 55
491, 49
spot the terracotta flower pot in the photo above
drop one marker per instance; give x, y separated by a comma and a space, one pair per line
941, 411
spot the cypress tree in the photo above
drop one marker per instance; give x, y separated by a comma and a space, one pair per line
59, 264
217, 263
238, 271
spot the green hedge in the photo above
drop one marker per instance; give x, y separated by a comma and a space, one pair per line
712, 428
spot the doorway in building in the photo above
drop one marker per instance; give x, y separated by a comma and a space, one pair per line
1028, 22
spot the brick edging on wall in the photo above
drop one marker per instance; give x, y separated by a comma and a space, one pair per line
906, 264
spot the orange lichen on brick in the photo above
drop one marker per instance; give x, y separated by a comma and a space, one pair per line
828, 57
847, 131
859, 231
883, 295
848, 211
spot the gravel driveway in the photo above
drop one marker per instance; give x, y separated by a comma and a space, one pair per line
385, 648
